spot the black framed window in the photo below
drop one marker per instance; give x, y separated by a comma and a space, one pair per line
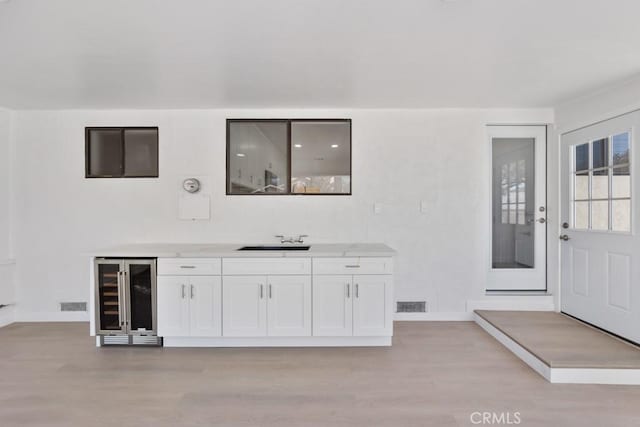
121, 152
288, 157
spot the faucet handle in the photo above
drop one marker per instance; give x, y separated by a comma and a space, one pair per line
301, 237
281, 237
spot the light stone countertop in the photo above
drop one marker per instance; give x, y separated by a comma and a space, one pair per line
229, 250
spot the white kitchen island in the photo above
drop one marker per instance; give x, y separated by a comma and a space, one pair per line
218, 296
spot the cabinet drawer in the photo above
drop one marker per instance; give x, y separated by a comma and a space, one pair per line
189, 266
362, 265
250, 266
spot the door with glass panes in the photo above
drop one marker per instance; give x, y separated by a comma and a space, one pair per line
600, 249
518, 208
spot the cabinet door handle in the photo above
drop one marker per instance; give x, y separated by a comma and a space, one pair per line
348, 290
357, 291
261, 291
192, 292
270, 292
183, 294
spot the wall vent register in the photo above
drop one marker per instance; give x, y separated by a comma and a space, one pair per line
411, 307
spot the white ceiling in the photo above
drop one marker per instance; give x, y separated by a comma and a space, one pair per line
312, 53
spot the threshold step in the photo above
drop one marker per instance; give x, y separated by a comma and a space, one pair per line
563, 349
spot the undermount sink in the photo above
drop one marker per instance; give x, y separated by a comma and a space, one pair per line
274, 248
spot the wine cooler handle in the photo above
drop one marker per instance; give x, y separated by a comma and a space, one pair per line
120, 296
124, 297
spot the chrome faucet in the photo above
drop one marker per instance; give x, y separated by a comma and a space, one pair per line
284, 240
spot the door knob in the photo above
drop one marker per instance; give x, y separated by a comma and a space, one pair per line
564, 237
542, 220
565, 225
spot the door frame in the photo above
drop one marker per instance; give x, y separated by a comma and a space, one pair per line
541, 253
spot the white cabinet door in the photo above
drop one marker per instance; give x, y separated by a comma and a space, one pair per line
372, 305
205, 293
244, 306
173, 306
289, 306
332, 306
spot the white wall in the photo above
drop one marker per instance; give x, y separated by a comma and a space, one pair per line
7, 294
400, 157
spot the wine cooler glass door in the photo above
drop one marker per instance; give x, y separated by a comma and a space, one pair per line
140, 282
110, 316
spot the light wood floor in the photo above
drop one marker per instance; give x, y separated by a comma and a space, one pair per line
436, 374
563, 342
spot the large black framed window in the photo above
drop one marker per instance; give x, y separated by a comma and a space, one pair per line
289, 157
121, 152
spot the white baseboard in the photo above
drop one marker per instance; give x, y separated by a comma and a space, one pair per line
454, 316
515, 303
562, 375
277, 342
59, 316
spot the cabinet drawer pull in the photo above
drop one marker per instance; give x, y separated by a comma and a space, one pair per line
352, 266
187, 266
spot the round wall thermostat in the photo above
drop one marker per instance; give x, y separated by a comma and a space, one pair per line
191, 185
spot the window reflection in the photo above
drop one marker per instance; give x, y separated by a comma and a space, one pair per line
513, 202
257, 157
321, 157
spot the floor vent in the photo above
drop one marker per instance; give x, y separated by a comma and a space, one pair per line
411, 306
73, 306
150, 340
114, 340
146, 340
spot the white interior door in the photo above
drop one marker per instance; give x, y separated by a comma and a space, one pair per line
600, 255
289, 306
518, 208
332, 306
205, 293
244, 306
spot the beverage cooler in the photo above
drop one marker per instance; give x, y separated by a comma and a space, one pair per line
125, 298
